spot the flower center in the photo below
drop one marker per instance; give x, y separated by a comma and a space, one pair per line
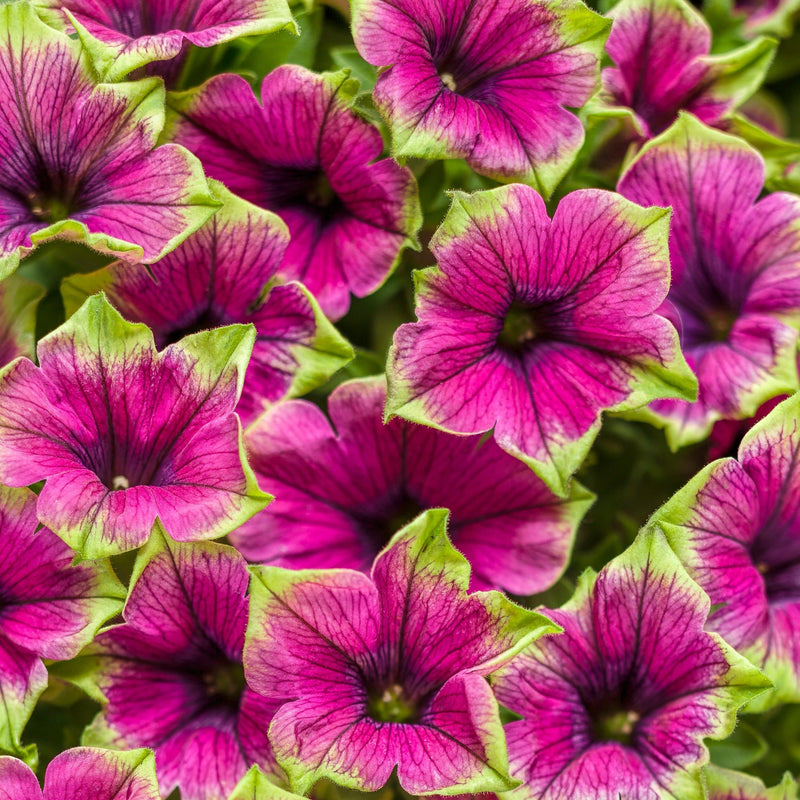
614, 726
320, 193
119, 482
448, 80
390, 704
379, 525
225, 683
204, 321
520, 327
720, 321
776, 555
47, 208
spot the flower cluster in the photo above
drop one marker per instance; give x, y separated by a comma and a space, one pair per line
282, 519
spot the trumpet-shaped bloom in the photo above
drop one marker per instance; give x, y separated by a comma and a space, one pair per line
171, 676
532, 327
83, 772
221, 275
661, 51
122, 434
488, 82
136, 33
619, 704
344, 487
18, 302
386, 670
736, 527
305, 154
735, 293
78, 159
48, 608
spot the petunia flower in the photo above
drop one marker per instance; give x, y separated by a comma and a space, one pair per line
344, 487
170, 677
50, 608
78, 158
533, 327
87, 773
156, 33
224, 274
122, 434
735, 294
388, 670
19, 300
619, 704
736, 527
661, 51
304, 153
725, 784
488, 82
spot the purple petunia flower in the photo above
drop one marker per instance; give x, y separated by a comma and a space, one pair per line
122, 434
83, 772
171, 677
736, 527
224, 274
661, 51
344, 487
532, 327
619, 704
137, 33
78, 159
735, 294
487, 81
304, 153
50, 608
386, 670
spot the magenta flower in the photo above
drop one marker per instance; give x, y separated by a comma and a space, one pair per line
735, 294
344, 487
50, 608
532, 327
488, 82
19, 300
661, 51
619, 704
136, 33
83, 772
221, 275
724, 784
304, 153
122, 434
171, 678
78, 158
386, 670
736, 527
